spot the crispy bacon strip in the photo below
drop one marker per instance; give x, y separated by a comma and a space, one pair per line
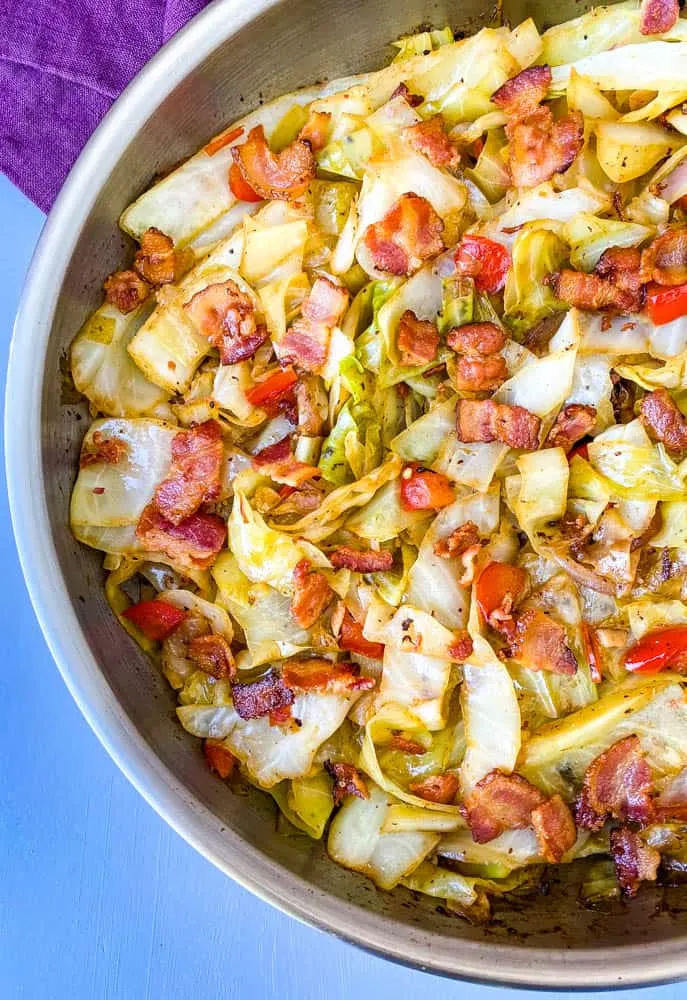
617, 783
658, 16
539, 643
555, 829
429, 137
480, 374
307, 341
500, 802
418, 339
622, 267
262, 697
665, 259
476, 338
108, 451
283, 175
316, 130
212, 654
318, 674
156, 260
194, 543
361, 561
459, 541
540, 147
520, 96
347, 781
277, 461
226, 316
410, 233
437, 788
665, 421
311, 596
194, 475
591, 292
485, 420
126, 290
635, 862
218, 758
572, 423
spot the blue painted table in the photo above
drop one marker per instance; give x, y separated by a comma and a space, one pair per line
98, 898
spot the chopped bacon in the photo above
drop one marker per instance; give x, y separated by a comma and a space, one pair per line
347, 781
485, 260
480, 374
194, 543
418, 339
622, 267
572, 423
404, 745
313, 406
500, 802
462, 647
665, 259
156, 260
539, 643
592, 650
318, 674
307, 340
226, 316
278, 462
283, 716
436, 788
459, 541
351, 638
126, 290
361, 561
316, 130
617, 783
665, 421
635, 862
429, 137
540, 147
102, 450
212, 654
410, 233
520, 96
414, 100
311, 596
591, 292
194, 475
476, 338
283, 175
301, 501
218, 758
259, 698
555, 829
485, 420
658, 16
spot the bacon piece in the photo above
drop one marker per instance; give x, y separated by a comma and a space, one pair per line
665, 259
311, 596
126, 290
404, 745
352, 639
500, 802
193, 543
277, 461
617, 783
436, 788
307, 341
462, 648
301, 501
316, 130
658, 16
429, 138
108, 451
259, 698
664, 420
347, 781
572, 423
540, 147
555, 829
635, 862
194, 475
480, 374
156, 260
459, 541
418, 339
485, 420
414, 100
361, 561
410, 233
318, 674
212, 654
591, 292
539, 643
520, 96
313, 406
283, 716
218, 758
226, 316
476, 338
283, 175
622, 267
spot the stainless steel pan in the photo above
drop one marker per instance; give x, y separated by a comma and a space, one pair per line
230, 57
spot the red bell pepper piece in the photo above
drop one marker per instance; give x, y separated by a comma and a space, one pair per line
240, 188
666, 647
352, 639
156, 619
219, 759
580, 449
422, 489
268, 393
665, 303
220, 141
498, 585
484, 260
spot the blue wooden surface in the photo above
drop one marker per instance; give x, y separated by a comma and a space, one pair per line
98, 898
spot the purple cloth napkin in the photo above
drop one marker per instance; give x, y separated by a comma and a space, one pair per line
62, 63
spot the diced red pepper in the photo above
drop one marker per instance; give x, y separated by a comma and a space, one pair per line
268, 393
239, 188
666, 647
219, 759
665, 303
220, 141
156, 619
485, 260
422, 489
581, 449
352, 639
592, 649
499, 584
